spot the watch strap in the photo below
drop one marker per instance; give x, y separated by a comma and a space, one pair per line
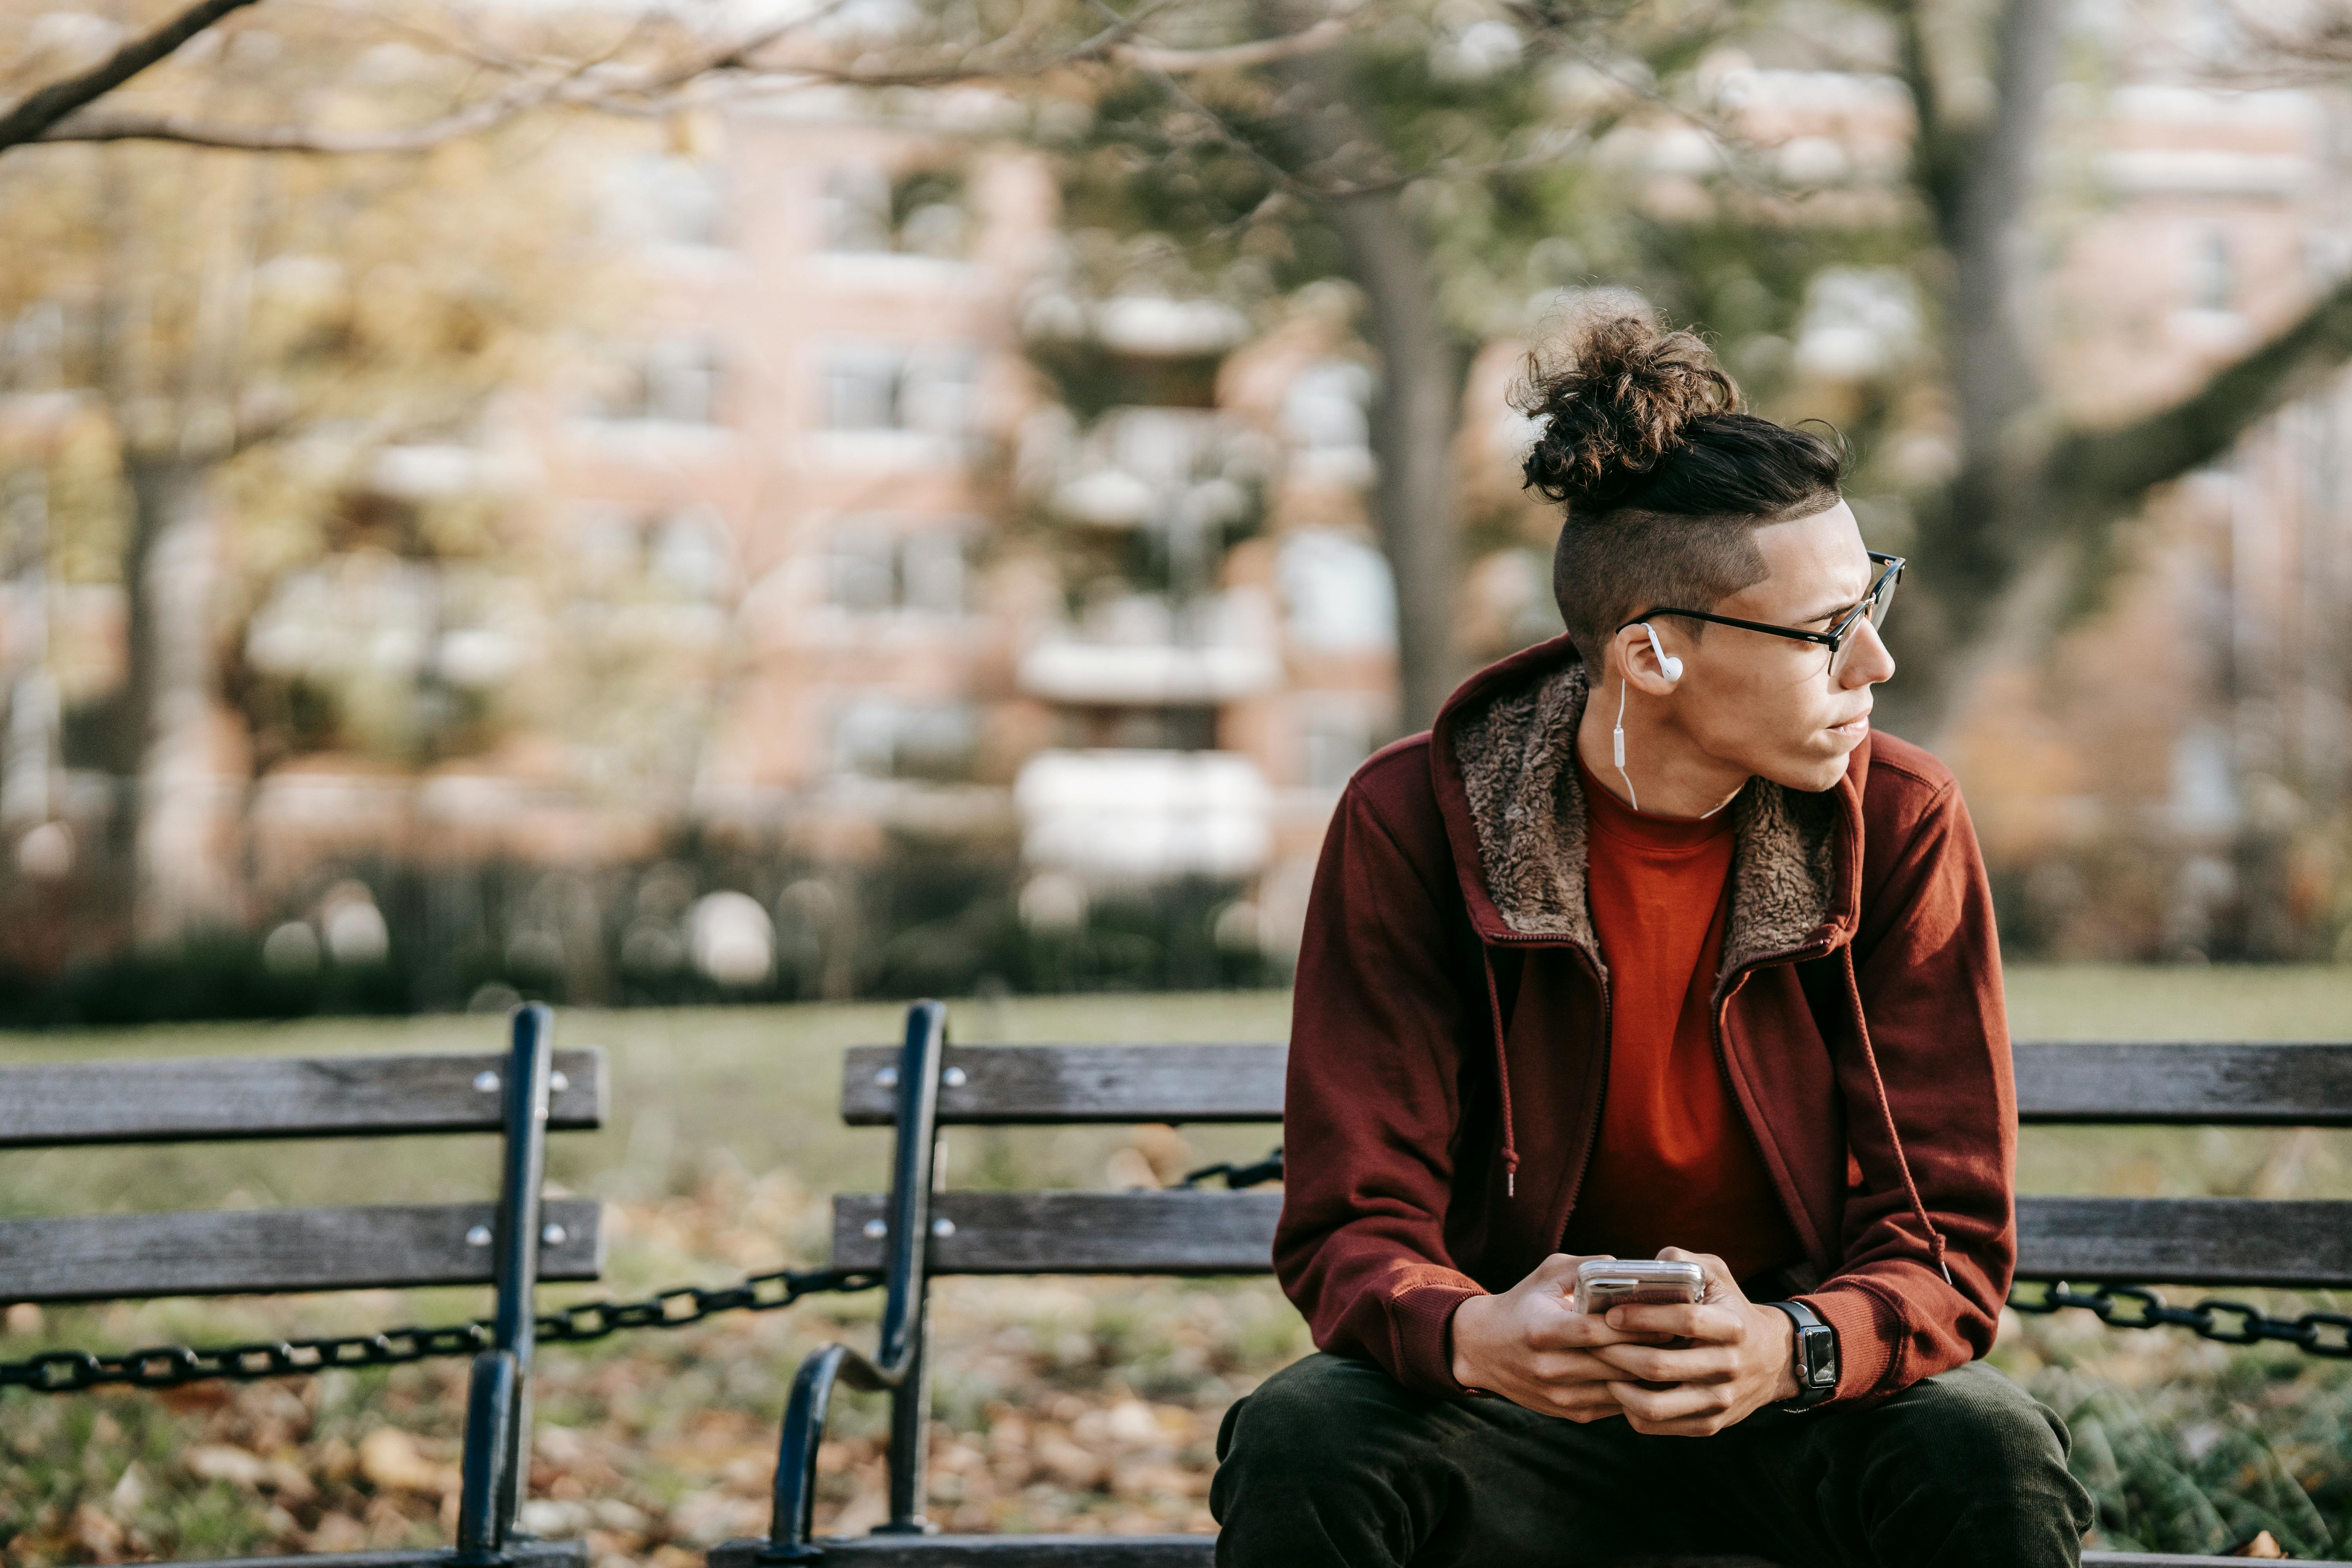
1813, 1386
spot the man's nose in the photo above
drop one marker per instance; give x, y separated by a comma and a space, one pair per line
1866, 661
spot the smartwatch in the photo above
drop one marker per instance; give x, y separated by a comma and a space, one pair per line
1815, 1355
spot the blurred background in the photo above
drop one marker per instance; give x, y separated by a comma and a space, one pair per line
645, 503
650, 502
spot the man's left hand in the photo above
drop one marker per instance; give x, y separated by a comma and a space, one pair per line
1738, 1358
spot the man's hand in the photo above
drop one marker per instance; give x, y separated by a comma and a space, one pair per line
1531, 1345
1728, 1358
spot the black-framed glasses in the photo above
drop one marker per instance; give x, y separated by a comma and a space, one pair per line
1874, 604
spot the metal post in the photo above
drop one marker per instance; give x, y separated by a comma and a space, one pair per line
517, 1234
898, 1360
489, 1416
794, 1519
904, 1323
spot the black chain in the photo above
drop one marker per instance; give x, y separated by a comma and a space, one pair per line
2314, 1333
170, 1366
1238, 1176
2227, 1323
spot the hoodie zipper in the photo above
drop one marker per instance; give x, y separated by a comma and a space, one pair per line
1599, 1100
1728, 987
1725, 991
1821, 949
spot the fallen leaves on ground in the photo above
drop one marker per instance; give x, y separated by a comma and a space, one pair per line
1061, 1404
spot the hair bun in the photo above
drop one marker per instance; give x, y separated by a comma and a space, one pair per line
1614, 392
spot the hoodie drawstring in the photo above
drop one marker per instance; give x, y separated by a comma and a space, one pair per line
1886, 1114
1936, 1242
1502, 1077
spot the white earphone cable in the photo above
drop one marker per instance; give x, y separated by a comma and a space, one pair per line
1631, 799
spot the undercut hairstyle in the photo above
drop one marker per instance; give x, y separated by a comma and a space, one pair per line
1664, 478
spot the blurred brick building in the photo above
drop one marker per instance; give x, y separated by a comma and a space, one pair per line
861, 529
828, 560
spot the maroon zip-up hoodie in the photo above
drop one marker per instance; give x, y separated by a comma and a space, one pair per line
1449, 1043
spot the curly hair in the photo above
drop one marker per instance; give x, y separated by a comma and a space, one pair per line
1664, 477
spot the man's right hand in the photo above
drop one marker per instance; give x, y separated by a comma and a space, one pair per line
1531, 1345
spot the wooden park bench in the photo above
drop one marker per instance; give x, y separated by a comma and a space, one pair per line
522, 1095
925, 1085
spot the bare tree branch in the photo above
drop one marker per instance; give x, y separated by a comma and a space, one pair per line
2099, 474
1323, 35
40, 110
2310, 51
1155, 66
706, 77
187, 129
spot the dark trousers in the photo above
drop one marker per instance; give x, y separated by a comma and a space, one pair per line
1331, 1463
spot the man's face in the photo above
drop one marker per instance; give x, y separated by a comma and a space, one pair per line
1774, 706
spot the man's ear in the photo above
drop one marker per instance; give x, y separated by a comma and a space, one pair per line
1639, 661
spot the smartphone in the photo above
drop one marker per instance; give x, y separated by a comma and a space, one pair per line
1605, 1282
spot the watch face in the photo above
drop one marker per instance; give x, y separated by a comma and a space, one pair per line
1819, 1348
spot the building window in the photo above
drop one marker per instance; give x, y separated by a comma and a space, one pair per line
876, 387
683, 556
672, 380
872, 568
671, 200
918, 213
865, 389
1175, 727
1338, 590
931, 572
1324, 408
2215, 285
1335, 745
885, 738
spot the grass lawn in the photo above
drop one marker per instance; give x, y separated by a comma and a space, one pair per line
1064, 1405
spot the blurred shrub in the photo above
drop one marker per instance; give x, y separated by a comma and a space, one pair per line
219, 974
2203, 1464
919, 919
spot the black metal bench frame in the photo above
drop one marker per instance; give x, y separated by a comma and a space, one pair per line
508, 1245
914, 1234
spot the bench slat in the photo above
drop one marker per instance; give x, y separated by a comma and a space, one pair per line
2181, 1241
240, 1251
2290, 1242
2086, 1082
1078, 1233
197, 1099
1079, 1083
2068, 1082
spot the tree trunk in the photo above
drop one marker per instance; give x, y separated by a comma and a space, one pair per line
1993, 375
1330, 149
1976, 539
1414, 418
176, 427
171, 574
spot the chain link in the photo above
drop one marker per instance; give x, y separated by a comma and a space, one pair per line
1236, 1177
172, 1366
2223, 1321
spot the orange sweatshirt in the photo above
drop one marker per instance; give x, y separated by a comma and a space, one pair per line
1675, 1165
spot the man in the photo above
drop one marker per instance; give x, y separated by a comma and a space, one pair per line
1652, 948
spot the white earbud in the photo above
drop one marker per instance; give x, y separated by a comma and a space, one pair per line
1672, 666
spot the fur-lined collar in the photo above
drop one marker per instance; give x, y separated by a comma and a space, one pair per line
1516, 753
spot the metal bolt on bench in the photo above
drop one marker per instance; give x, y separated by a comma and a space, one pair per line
510, 1244
922, 1086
